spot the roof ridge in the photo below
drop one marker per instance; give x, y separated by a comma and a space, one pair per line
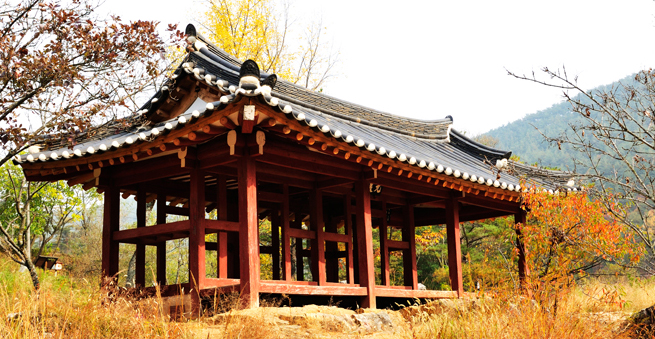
490, 152
233, 64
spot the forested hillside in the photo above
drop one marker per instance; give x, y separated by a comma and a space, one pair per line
524, 139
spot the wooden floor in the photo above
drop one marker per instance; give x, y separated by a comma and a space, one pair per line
304, 288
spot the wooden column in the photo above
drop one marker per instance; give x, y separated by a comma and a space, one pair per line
300, 271
318, 245
161, 247
384, 247
248, 232
365, 243
221, 237
409, 255
110, 220
348, 220
197, 235
275, 243
331, 248
140, 263
454, 251
520, 218
286, 240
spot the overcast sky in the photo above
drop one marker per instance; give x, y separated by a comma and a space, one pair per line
430, 59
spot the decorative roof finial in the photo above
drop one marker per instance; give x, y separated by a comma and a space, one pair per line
249, 75
268, 84
191, 33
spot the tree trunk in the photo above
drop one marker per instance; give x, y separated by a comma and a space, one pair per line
28, 244
33, 274
131, 270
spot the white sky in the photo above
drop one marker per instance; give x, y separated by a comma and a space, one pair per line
429, 59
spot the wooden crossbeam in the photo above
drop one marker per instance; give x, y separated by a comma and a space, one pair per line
156, 230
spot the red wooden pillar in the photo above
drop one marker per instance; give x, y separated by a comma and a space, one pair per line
332, 248
221, 237
248, 232
409, 255
110, 220
365, 243
318, 245
348, 220
454, 250
384, 247
197, 236
275, 243
286, 240
300, 256
520, 218
161, 247
140, 262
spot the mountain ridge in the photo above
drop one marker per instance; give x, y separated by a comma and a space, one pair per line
524, 136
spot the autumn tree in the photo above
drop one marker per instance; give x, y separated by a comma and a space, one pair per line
614, 129
568, 235
259, 30
63, 72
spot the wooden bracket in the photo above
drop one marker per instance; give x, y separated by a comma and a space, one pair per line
181, 154
261, 140
187, 157
370, 174
232, 140
96, 175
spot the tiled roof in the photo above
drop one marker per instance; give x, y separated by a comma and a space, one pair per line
430, 145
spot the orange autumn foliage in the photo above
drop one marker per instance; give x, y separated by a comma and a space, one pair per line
569, 234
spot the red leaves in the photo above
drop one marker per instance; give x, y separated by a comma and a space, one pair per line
63, 70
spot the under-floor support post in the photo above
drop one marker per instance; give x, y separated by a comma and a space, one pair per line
286, 240
248, 232
519, 220
111, 223
140, 262
221, 237
384, 247
409, 255
365, 243
275, 243
300, 267
197, 236
454, 250
348, 220
318, 245
161, 247
332, 261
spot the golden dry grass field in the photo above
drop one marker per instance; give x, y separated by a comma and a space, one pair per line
72, 308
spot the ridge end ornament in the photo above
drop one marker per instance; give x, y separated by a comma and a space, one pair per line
249, 75
268, 84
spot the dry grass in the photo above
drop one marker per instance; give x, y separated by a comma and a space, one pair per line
66, 308
592, 310
521, 318
71, 308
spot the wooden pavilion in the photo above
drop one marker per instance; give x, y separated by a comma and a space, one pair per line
219, 136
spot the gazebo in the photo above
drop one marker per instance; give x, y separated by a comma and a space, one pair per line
221, 136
